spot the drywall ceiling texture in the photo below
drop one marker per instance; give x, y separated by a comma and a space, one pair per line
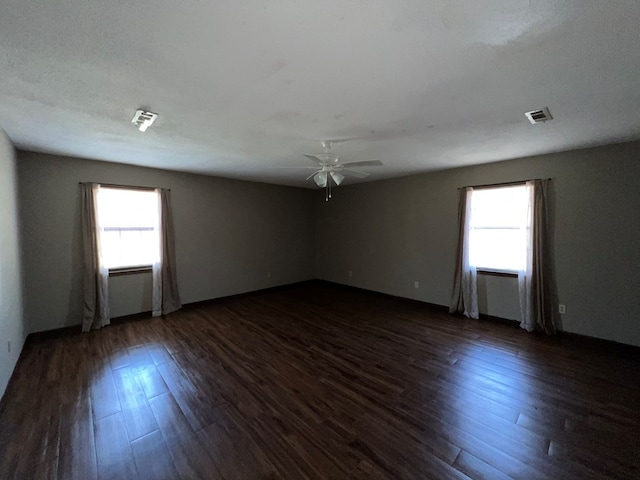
243, 88
393, 233
230, 235
12, 325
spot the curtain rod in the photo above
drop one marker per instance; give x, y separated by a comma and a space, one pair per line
129, 187
503, 184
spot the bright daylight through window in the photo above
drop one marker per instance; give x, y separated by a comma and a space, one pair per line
499, 228
129, 224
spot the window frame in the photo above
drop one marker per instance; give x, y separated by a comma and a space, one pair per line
496, 272
490, 271
129, 269
121, 271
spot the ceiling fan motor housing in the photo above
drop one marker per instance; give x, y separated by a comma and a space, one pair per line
328, 158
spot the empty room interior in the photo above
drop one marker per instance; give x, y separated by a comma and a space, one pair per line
303, 240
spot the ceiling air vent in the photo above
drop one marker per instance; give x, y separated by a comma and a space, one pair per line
539, 116
143, 119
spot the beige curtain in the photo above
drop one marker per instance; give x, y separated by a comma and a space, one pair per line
95, 310
464, 299
166, 297
538, 294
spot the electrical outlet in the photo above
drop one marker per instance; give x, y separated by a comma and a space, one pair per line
562, 309
350, 274
268, 274
9, 346
416, 284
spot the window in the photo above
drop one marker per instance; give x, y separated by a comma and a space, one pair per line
129, 224
498, 228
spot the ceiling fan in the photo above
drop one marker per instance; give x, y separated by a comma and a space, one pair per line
329, 169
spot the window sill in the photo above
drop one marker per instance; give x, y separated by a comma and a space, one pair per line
497, 273
117, 272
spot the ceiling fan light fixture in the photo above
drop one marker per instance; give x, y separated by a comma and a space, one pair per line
337, 177
321, 179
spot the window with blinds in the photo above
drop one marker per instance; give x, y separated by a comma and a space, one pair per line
129, 222
498, 228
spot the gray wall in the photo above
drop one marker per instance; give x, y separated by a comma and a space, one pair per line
395, 232
12, 324
229, 235
388, 233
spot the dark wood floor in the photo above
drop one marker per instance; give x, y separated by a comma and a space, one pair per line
317, 381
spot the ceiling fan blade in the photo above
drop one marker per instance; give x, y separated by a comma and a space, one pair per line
339, 140
337, 177
310, 176
298, 167
314, 159
321, 179
368, 163
354, 173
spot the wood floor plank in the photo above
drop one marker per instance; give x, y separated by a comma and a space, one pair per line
195, 406
77, 452
153, 460
104, 396
477, 469
136, 413
189, 455
139, 355
113, 450
236, 456
274, 384
158, 353
367, 471
150, 380
395, 450
42, 445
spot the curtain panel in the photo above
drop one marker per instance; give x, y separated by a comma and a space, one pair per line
166, 297
95, 275
537, 285
464, 299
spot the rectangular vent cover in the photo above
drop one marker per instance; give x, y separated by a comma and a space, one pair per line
143, 119
539, 116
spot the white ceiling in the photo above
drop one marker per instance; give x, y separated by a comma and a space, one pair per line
244, 87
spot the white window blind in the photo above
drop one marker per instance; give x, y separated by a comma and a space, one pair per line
129, 227
499, 228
